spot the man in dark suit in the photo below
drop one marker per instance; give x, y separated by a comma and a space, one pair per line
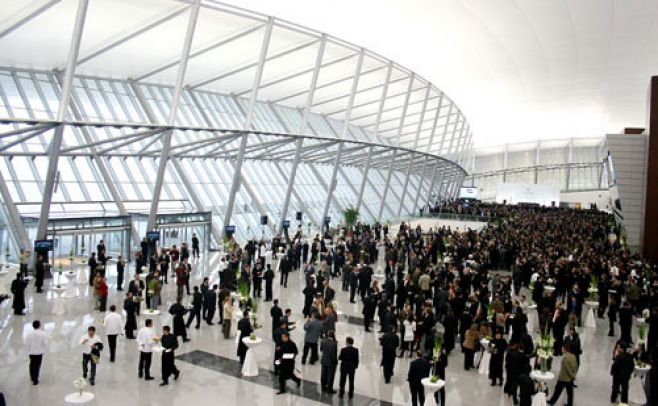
197, 300
288, 349
328, 361
349, 362
211, 304
389, 342
418, 369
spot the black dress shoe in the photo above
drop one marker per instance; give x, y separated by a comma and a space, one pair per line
331, 391
281, 392
164, 383
92, 382
149, 378
176, 375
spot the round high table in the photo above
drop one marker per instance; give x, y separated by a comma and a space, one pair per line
590, 321
636, 390
430, 389
58, 306
77, 398
151, 312
250, 367
70, 285
541, 378
83, 279
486, 358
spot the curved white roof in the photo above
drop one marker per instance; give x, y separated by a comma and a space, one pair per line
520, 70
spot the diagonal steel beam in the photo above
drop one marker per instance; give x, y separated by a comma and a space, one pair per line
173, 111
132, 34
237, 172
253, 64
56, 142
200, 51
28, 17
299, 73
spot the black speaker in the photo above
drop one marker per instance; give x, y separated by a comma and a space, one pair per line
263, 220
298, 217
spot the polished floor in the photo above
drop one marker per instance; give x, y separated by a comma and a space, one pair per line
208, 363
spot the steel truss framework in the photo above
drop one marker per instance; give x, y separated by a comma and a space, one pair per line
574, 164
301, 122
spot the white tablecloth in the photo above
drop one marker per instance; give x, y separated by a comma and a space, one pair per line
590, 321
636, 387
540, 398
70, 286
58, 306
250, 367
77, 399
484, 364
83, 279
430, 389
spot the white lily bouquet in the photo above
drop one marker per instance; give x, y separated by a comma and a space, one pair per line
254, 315
545, 349
80, 384
491, 313
436, 353
593, 288
59, 277
642, 332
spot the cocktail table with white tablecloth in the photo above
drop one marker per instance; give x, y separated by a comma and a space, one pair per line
541, 378
486, 357
430, 389
78, 398
250, 367
82, 278
590, 321
636, 388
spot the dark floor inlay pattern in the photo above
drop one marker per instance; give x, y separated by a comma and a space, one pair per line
308, 390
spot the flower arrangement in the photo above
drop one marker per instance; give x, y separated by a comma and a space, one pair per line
243, 291
491, 313
6, 254
545, 349
640, 364
71, 256
593, 288
254, 314
252, 337
646, 313
79, 385
438, 345
642, 331
59, 276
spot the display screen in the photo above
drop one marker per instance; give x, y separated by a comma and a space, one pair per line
230, 229
43, 245
468, 193
286, 223
153, 235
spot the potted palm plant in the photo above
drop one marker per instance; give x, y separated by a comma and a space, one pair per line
351, 215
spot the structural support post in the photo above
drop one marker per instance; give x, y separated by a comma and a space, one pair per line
418, 131
345, 129
388, 182
237, 171
380, 111
56, 142
171, 120
420, 183
300, 142
14, 218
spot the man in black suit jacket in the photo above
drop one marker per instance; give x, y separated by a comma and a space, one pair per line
418, 369
211, 304
197, 301
349, 362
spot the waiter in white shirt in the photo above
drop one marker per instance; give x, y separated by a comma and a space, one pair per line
145, 340
90, 343
35, 345
113, 327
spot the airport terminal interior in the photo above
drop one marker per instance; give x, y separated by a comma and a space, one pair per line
344, 203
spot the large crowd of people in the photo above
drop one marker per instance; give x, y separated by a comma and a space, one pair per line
442, 289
